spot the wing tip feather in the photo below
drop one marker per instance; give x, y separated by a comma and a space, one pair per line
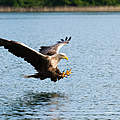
66, 40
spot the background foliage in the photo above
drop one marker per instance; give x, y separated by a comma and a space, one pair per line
52, 3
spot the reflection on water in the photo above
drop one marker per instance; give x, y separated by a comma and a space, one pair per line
36, 105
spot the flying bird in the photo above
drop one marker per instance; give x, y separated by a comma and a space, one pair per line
45, 61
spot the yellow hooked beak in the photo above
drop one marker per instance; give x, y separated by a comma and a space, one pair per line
65, 57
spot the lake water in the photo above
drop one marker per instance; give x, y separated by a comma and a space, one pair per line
92, 92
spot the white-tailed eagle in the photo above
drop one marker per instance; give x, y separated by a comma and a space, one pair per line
45, 61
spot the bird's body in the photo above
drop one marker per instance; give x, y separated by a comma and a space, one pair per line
45, 61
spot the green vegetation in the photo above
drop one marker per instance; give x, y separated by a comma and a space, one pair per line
53, 3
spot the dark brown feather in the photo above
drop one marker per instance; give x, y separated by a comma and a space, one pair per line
36, 59
22, 51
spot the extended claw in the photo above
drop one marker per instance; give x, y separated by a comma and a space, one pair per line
68, 72
65, 74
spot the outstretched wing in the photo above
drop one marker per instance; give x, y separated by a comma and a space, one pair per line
30, 55
51, 50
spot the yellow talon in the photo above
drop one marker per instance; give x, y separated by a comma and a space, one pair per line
68, 72
63, 74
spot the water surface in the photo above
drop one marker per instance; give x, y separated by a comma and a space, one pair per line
93, 90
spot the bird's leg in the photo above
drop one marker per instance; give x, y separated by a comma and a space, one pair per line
63, 74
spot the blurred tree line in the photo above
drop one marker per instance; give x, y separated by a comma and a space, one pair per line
53, 3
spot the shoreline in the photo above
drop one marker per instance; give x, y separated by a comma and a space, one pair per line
63, 9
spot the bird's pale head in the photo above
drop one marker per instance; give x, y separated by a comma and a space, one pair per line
62, 56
